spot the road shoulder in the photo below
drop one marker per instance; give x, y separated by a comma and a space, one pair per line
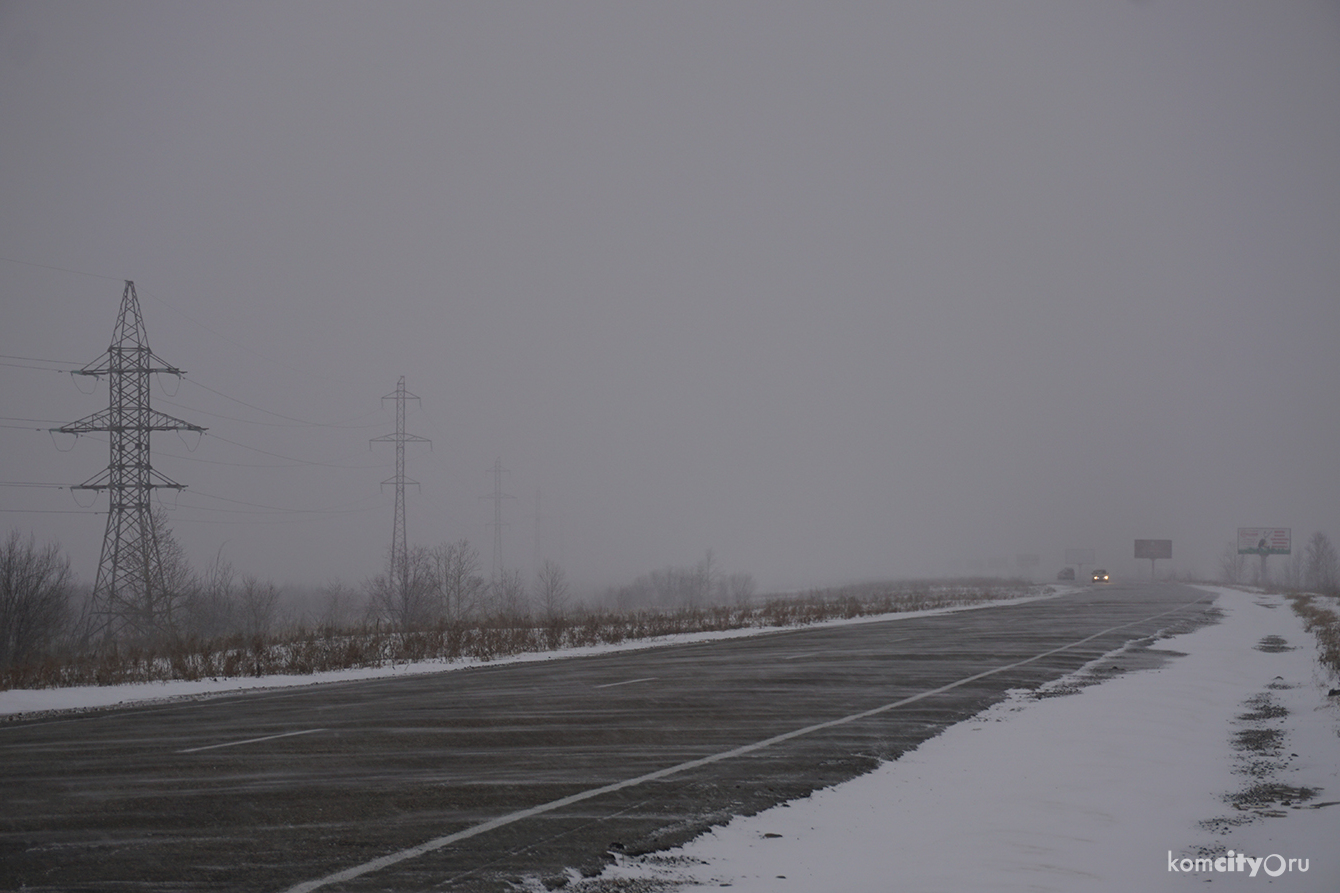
1100, 789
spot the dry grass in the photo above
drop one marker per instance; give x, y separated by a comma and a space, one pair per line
304, 651
1324, 623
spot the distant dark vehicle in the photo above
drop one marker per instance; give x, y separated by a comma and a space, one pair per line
1100, 576
1066, 573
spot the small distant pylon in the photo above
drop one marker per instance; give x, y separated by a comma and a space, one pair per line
496, 575
399, 545
130, 591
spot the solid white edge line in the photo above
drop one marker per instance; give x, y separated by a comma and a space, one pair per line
440, 842
248, 741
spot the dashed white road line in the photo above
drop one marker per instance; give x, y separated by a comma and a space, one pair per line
627, 682
248, 741
805, 654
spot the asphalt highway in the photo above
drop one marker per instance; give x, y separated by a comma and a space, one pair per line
475, 780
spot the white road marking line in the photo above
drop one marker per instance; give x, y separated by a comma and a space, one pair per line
626, 682
511, 818
830, 651
248, 741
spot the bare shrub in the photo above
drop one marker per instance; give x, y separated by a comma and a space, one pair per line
375, 643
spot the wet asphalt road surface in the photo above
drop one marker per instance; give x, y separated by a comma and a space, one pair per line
281, 790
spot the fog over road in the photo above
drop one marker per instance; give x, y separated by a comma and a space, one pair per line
285, 790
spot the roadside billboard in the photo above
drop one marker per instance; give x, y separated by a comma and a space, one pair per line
1153, 549
1079, 556
1264, 540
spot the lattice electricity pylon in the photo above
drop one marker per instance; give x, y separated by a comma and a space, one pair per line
399, 545
130, 591
496, 574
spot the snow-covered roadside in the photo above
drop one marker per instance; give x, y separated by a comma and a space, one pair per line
1092, 791
20, 701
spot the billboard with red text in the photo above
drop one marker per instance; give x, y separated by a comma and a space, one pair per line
1264, 540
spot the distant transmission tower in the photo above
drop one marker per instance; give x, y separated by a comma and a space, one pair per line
130, 591
399, 545
537, 555
498, 525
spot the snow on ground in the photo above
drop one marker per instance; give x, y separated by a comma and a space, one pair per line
86, 697
1096, 790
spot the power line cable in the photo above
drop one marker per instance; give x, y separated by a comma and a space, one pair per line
279, 455
239, 345
165, 303
273, 508
6, 356
296, 422
23, 427
254, 521
293, 464
60, 511
28, 263
28, 366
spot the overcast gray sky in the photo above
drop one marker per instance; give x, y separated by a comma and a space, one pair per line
837, 290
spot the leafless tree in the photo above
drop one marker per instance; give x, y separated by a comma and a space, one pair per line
257, 603
164, 612
1295, 571
35, 589
740, 588
340, 605
637, 594
551, 590
703, 580
213, 602
459, 585
1322, 572
507, 596
1232, 565
407, 602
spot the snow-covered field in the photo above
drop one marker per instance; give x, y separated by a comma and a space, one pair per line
1099, 790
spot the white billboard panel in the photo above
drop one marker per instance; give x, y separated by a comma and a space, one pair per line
1079, 556
1153, 549
1264, 540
